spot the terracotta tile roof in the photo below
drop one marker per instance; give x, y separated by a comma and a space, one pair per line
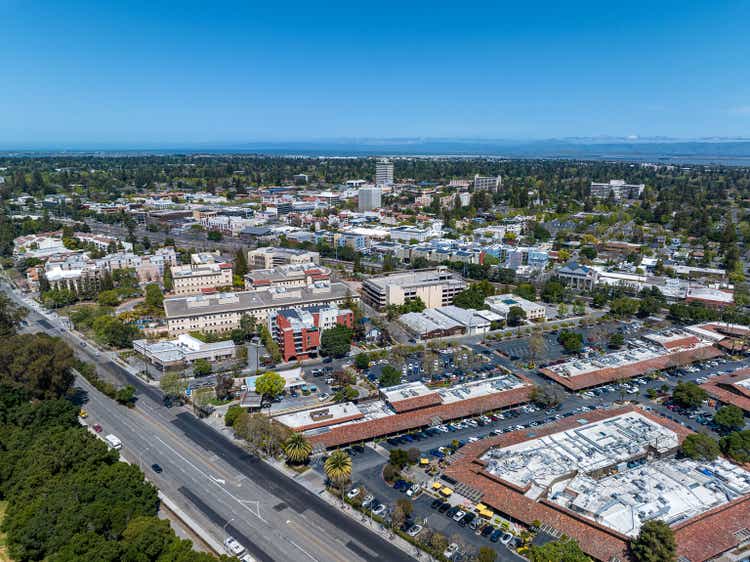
352, 433
417, 402
682, 342
610, 374
698, 538
725, 389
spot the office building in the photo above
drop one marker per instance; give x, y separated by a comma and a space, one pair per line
618, 188
268, 257
383, 172
487, 183
501, 304
288, 276
436, 287
369, 198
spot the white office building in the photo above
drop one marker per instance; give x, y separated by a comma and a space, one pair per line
618, 188
384, 172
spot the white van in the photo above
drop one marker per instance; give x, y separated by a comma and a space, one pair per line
113, 442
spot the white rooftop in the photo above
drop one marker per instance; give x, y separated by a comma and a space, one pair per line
475, 389
405, 391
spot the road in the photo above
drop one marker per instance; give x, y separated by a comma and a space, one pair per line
216, 482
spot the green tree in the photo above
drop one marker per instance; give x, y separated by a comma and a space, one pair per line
10, 316
336, 341
126, 395
154, 296
114, 332
553, 291
654, 543
362, 361
270, 344
297, 448
571, 341
689, 394
202, 368
389, 376
399, 458
167, 280
270, 384
214, 236
737, 446
172, 384
516, 315
616, 340
729, 418
108, 298
562, 550
240, 263
232, 413
700, 446
338, 468
36, 364
526, 291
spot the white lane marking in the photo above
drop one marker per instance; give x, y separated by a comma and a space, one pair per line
217, 480
302, 549
242, 502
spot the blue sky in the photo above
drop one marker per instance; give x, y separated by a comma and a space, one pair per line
167, 73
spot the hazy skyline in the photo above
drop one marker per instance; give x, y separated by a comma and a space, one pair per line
83, 74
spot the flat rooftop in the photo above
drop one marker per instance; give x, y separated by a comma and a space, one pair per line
321, 417
656, 351
597, 479
416, 278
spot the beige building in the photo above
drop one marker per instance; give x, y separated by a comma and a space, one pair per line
288, 276
266, 258
191, 279
501, 304
436, 287
221, 312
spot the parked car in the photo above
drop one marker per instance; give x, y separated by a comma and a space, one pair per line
415, 530
496, 534
233, 547
353, 493
451, 551
369, 498
459, 515
505, 539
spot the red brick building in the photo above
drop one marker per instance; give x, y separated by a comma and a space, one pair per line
298, 331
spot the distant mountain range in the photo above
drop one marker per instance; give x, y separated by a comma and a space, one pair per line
728, 151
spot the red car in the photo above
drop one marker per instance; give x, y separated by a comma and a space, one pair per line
97, 428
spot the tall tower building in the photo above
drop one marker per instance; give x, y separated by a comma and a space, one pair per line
369, 198
384, 172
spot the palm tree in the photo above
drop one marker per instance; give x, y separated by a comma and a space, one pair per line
297, 448
338, 468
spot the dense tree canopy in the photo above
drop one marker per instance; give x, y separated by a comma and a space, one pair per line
36, 363
654, 543
336, 341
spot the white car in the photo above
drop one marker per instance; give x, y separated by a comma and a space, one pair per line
233, 547
473, 439
412, 491
459, 515
451, 551
368, 500
505, 539
415, 530
353, 493
323, 396
247, 558
379, 510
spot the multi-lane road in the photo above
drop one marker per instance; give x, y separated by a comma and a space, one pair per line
226, 490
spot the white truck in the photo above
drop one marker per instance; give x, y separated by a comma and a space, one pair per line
113, 442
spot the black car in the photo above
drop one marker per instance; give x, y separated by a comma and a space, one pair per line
443, 508
487, 531
466, 519
452, 511
436, 503
156, 468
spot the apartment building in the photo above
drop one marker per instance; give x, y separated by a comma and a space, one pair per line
268, 257
369, 198
298, 331
618, 188
191, 279
221, 312
436, 287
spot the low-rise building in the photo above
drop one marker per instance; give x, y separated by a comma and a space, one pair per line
501, 304
598, 478
185, 349
617, 188
577, 276
288, 276
268, 257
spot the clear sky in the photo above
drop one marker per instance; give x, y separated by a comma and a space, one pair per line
164, 73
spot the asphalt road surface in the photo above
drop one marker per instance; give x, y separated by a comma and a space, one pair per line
224, 488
